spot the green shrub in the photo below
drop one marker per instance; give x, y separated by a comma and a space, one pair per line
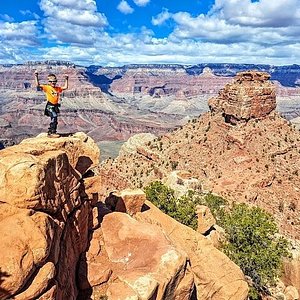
162, 197
254, 244
183, 209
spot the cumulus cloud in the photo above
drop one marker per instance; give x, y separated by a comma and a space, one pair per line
125, 8
141, 2
232, 31
83, 13
74, 4
19, 34
143, 47
232, 21
161, 18
72, 21
263, 13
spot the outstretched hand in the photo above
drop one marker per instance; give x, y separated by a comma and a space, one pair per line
66, 77
36, 73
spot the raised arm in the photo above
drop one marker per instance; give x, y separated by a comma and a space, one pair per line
66, 85
36, 79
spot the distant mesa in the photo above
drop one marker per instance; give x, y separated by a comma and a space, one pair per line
207, 72
251, 95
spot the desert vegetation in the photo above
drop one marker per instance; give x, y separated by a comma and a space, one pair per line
252, 239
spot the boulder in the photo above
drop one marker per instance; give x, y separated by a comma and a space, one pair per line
129, 201
216, 277
44, 216
143, 258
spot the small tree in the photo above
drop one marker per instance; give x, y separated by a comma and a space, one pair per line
183, 209
253, 243
162, 197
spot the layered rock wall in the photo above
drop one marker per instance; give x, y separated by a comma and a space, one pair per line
167, 82
251, 95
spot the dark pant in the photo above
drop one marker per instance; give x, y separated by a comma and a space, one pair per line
52, 111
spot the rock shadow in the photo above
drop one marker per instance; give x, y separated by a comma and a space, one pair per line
3, 292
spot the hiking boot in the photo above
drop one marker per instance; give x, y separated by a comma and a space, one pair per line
53, 135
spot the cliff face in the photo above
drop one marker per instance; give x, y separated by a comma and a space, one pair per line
242, 150
84, 106
250, 96
61, 240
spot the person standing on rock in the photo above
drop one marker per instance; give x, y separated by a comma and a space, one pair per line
52, 96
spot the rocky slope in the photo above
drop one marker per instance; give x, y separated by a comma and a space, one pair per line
61, 240
242, 149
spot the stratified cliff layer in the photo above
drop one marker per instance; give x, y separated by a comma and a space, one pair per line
112, 104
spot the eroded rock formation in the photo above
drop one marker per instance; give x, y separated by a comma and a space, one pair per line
43, 215
251, 95
112, 104
59, 240
243, 150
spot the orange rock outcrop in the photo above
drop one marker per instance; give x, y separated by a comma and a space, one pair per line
61, 241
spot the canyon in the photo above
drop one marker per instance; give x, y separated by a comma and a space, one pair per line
242, 150
75, 228
112, 104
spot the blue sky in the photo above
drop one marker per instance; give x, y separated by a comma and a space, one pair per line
118, 32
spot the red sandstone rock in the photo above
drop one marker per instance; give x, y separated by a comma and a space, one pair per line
42, 169
143, 257
249, 96
39, 252
26, 239
130, 201
50, 294
255, 161
121, 290
215, 276
291, 293
39, 283
205, 219
291, 275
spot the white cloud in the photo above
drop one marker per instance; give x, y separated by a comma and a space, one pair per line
74, 4
233, 31
125, 8
161, 18
145, 48
279, 13
83, 13
72, 21
69, 33
30, 14
232, 21
141, 2
19, 34
6, 17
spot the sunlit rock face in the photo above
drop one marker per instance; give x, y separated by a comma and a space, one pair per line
251, 95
